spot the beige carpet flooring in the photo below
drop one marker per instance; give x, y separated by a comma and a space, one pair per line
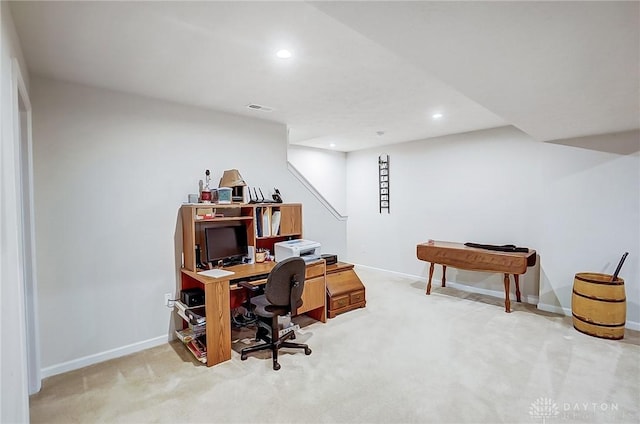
452, 357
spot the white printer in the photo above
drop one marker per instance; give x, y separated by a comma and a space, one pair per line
306, 249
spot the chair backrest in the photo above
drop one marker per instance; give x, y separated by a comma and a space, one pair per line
285, 283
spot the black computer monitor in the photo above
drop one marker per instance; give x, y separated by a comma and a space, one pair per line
227, 244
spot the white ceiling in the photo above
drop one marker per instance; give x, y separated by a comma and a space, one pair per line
553, 69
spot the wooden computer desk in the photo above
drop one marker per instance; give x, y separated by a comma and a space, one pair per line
219, 293
460, 256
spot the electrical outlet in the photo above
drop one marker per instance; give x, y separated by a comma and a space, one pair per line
168, 302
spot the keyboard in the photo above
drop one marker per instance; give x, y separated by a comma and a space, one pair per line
250, 279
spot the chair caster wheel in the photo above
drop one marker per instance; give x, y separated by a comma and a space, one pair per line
276, 366
243, 357
307, 351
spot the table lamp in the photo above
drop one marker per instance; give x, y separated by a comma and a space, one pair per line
232, 179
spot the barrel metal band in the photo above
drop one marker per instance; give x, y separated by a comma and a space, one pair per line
597, 323
608, 283
624, 299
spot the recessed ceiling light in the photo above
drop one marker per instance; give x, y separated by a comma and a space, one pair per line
283, 54
436, 116
254, 106
332, 145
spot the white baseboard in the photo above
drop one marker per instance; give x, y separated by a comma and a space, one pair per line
554, 309
631, 325
103, 356
157, 341
533, 300
402, 274
530, 299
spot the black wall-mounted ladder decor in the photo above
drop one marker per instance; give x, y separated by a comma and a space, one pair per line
383, 182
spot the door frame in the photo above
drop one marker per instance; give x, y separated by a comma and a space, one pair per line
26, 214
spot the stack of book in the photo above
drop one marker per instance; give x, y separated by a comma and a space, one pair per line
198, 348
267, 222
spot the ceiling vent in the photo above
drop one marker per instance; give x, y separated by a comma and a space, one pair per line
254, 106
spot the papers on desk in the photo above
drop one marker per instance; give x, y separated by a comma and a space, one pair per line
216, 273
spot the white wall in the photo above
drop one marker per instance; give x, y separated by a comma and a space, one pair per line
326, 170
14, 402
579, 208
589, 216
111, 171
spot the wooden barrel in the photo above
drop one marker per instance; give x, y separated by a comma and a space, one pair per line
599, 305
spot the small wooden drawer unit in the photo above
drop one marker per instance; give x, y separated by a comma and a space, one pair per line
345, 291
314, 290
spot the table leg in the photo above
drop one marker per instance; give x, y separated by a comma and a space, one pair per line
217, 299
516, 277
430, 276
444, 273
507, 302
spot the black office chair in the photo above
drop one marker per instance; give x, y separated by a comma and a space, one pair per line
282, 295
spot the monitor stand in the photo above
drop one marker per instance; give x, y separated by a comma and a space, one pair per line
232, 261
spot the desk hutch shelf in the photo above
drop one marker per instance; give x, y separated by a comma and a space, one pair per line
253, 217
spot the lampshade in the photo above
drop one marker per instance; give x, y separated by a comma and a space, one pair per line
231, 178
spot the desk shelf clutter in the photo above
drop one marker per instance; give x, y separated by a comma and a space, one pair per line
193, 335
264, 225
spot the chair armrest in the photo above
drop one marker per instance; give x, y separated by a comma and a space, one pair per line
247, 285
